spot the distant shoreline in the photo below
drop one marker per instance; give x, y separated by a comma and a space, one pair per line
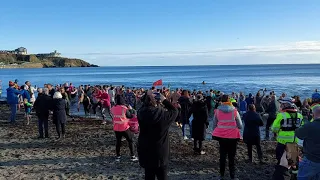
211, 65
39, 66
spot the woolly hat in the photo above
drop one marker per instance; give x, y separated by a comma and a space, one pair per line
11, 83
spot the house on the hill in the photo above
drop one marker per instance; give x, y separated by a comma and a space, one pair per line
52, 54
20, 51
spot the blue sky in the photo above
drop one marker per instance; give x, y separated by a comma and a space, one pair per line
167, 32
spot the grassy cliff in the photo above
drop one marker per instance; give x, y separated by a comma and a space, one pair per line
31, 61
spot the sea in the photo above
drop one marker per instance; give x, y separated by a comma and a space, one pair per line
293, 79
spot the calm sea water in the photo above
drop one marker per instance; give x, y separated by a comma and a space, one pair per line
292, 79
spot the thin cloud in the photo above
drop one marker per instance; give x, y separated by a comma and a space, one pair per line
300, 47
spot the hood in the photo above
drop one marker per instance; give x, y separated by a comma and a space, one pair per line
226, 108
183, 100
150, 115
197, 105
200, 103
120, 100
9, 89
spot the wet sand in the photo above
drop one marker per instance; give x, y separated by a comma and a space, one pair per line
88, 152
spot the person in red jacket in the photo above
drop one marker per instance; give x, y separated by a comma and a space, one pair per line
106, 106
96, 100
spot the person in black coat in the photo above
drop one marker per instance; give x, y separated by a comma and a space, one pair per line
59, 113
42, 106
153, 141
272, 111
185, 105
251, 133
199, 123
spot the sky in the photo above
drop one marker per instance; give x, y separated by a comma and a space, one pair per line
166, 32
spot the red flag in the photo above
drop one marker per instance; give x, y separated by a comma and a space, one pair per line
158, 83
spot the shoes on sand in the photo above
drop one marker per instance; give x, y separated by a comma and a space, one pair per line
134, 159
118, 158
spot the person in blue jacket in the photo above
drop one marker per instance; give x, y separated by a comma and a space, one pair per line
12, 100
25, 93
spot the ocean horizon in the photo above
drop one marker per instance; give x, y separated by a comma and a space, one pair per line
293, 79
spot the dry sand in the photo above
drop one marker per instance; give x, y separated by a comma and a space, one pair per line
88, 152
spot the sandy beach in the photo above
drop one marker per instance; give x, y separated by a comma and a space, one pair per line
88, 152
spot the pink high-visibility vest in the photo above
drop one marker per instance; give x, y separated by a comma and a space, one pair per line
227, 125
120, 120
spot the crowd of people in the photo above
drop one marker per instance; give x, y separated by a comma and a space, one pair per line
154, 110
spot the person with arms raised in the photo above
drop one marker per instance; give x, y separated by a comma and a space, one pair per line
12, 100
153, 142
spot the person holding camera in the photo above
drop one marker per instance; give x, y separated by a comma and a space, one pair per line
153, 141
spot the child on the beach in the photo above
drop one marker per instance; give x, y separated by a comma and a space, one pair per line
27, 107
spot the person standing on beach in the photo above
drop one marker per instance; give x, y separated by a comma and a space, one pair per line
130, 98
210, 104
185, 105
112, 95
51, 90
42, 106
120, 118
96, 101
200, 123
226, 129
106, 106
153, 141
65, 96
309, 167
272, 111
257, 101
85, 100
242, 105
285, 124
174, 98
251, 133
12, 100
305, 110
249, 100
59, 113
26, 102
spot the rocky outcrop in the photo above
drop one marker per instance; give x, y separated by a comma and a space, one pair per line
31, 61
64, 62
